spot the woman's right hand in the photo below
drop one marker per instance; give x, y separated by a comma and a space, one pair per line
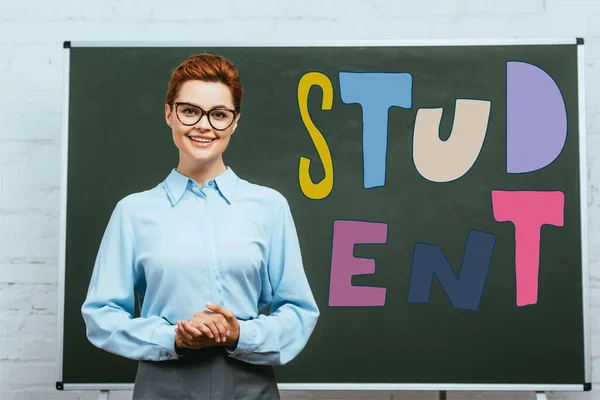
205, 323
196, 343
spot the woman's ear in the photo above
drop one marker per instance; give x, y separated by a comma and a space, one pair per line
168, 113
237, 118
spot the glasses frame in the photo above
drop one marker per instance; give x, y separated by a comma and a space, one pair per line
203, 113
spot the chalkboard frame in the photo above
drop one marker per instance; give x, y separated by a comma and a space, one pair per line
60, 385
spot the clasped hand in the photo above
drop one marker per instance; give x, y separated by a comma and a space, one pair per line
216, 326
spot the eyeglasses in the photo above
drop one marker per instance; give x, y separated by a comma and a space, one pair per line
190, 114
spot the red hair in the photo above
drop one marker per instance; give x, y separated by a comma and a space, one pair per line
209, 68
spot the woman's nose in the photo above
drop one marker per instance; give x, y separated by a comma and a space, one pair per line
203, 122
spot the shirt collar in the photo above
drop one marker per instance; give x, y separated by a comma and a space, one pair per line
227, 184
176, 183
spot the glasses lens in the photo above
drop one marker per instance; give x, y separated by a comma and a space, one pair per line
220, 119
188, 114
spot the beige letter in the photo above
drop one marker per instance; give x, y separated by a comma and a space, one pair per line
444, 161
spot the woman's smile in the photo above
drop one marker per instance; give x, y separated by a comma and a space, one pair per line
202, 142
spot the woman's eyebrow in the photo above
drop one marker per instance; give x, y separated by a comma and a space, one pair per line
189, 103
213, 107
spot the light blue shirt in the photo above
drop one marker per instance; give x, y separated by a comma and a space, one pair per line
178, 246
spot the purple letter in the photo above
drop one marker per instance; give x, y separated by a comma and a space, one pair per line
344, 265
536, 119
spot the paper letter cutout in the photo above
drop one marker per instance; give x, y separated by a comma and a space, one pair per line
344, 265
444, 161
376, 93
464, 291
315, 191
528, 211
536, 118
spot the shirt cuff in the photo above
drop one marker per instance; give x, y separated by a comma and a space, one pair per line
246, 342
164, 337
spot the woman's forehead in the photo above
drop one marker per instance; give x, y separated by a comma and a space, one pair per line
205, 93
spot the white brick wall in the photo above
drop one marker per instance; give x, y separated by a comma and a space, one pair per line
31, 36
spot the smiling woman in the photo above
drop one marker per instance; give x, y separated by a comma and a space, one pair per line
205, 252
204, 85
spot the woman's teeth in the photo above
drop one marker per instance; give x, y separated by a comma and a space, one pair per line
201, 140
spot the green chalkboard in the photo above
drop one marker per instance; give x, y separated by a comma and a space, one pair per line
112, 154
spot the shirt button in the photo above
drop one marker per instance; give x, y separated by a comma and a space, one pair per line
211, 183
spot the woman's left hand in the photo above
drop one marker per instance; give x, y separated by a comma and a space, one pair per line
188, 336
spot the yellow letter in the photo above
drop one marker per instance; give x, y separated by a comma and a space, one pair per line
310, 189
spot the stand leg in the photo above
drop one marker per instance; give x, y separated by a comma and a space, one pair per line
104, 395
540, 396
443, 395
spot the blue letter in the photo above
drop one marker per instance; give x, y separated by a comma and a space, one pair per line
465, 291
376, 93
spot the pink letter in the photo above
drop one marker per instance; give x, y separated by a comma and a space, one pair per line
344, 265
528, 211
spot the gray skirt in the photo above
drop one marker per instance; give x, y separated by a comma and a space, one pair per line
208, 373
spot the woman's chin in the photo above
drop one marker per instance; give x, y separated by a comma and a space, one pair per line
201, 156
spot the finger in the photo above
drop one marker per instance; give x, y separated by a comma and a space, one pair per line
182, 331
223, 331
202, 328
189, 331
224, 321
219, 309
194, 332
182, 343
214, 330
227, 325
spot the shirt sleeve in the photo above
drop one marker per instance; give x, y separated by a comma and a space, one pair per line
278, 338
108, 310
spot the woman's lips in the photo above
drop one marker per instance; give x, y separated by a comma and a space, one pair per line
201, 142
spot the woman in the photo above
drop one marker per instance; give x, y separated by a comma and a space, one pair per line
206, 252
